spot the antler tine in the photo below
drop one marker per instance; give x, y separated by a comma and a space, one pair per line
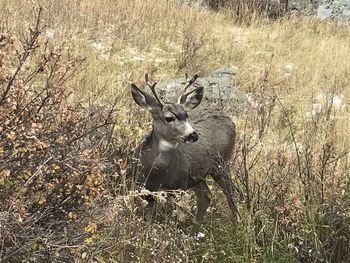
147, 79
152, 88
189, 83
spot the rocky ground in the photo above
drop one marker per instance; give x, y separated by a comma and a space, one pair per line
323, 9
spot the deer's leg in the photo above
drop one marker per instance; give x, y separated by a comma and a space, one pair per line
203, 200
225, 183
150, 209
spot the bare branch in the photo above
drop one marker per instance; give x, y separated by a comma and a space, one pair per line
29, 44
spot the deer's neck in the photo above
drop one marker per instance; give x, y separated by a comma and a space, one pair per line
161, 145
165, 146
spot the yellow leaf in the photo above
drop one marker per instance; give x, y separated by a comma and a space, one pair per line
71, 215
86, 153
91, 228
139, 132
5, 173
11, 135
55, 167
88, 240
42, 200
2, 181
26, 174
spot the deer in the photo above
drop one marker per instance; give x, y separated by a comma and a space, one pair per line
186, 144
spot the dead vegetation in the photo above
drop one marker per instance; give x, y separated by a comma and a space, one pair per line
68, 132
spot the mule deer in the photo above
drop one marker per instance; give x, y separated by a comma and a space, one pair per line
183, 148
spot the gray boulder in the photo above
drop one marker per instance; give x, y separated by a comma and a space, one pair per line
338, 10
218, 90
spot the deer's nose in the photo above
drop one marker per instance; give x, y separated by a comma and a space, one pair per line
193, 137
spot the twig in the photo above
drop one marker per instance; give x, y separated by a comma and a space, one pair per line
245, 167
88, 132
65, 76
28, 45
292, 134
37, 171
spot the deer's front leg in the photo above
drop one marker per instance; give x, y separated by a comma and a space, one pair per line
150, 209
203, 200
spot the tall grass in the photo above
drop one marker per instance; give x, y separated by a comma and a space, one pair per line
291, 160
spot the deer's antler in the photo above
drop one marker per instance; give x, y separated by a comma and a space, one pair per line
189, 83
152, 88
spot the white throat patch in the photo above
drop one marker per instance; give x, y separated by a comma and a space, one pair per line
167, 146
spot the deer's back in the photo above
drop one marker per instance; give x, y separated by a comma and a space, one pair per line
216, 132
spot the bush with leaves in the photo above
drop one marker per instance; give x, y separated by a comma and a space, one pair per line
50, 147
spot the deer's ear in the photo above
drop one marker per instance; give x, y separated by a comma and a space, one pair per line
144, 99
139, 96
192, 99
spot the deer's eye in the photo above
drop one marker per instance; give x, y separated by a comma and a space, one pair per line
169, 119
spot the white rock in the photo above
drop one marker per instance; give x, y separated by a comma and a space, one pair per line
200, 235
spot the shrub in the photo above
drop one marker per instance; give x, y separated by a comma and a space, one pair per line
50, 147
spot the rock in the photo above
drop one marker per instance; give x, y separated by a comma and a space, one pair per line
195, 3
227, 74
218, 90
341, 10
338, 10
324, 12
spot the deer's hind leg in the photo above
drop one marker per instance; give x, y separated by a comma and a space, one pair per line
223, 180
203, 200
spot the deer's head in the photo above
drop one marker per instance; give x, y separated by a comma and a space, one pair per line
170, 120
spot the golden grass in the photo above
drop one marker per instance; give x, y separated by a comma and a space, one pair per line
302, 61
122, 39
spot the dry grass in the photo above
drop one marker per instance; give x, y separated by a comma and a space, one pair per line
291, 160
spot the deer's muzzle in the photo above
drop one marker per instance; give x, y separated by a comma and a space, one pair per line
193, 137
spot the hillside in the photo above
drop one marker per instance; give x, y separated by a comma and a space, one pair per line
69, 128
